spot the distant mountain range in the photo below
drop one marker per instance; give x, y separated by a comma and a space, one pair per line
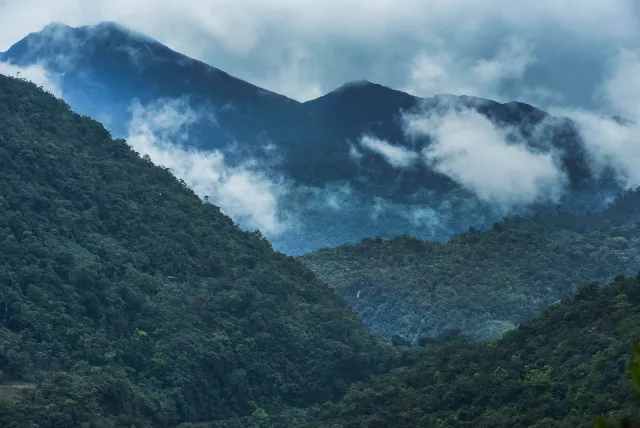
351, 166
481, 283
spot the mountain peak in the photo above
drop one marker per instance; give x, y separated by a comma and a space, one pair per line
107, 30
55, 26
56, 39
112, 25
365, 91
355, 84
363, 86
111, 28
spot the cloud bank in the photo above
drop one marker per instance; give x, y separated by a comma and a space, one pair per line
615, 143
246, 192
496, 164
445, 73
394, 155
36, 74
469, 149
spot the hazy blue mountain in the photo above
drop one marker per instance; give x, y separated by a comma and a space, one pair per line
342, 190
107, 66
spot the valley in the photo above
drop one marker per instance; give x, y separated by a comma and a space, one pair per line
180, 248
482, 283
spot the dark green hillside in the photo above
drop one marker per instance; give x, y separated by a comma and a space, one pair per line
561, 370
483, 283
125, 301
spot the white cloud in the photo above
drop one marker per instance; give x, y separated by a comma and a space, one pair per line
244, 192
294, 76
36, 74
424, 216
396, 156
622, 86
355, 154
510, 63
332, 197
469, 149
611, 143
444, 73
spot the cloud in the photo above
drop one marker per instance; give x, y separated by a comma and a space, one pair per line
36, 74
621, 88
245, 192
355, 154
294, 76
510, 63
430, 219
466, 147
303, 48
443, 72
612, 143
396, 156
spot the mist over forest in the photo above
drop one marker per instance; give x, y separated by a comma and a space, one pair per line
319, 214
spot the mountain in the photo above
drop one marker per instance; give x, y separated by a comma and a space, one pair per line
316, 154
104, 67
481, 282
561, 370
126, 301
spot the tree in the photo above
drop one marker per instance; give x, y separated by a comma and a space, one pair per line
625, 422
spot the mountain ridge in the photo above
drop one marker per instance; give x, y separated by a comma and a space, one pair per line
563, 369
320, 144
482, 283
125, 300
105, 29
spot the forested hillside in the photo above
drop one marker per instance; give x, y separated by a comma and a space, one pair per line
563, 369
126, 301
482, 283
568, 368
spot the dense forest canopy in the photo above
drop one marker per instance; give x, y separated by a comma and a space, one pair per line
561, 370
126, 301
482, 282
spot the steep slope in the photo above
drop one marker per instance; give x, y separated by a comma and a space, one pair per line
481, 282
125, 301
560, 370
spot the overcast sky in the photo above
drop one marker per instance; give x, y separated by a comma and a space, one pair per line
547, 52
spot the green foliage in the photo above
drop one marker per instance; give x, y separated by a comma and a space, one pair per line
635, 365
560, 370
625, 422
126, 301
483, 283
